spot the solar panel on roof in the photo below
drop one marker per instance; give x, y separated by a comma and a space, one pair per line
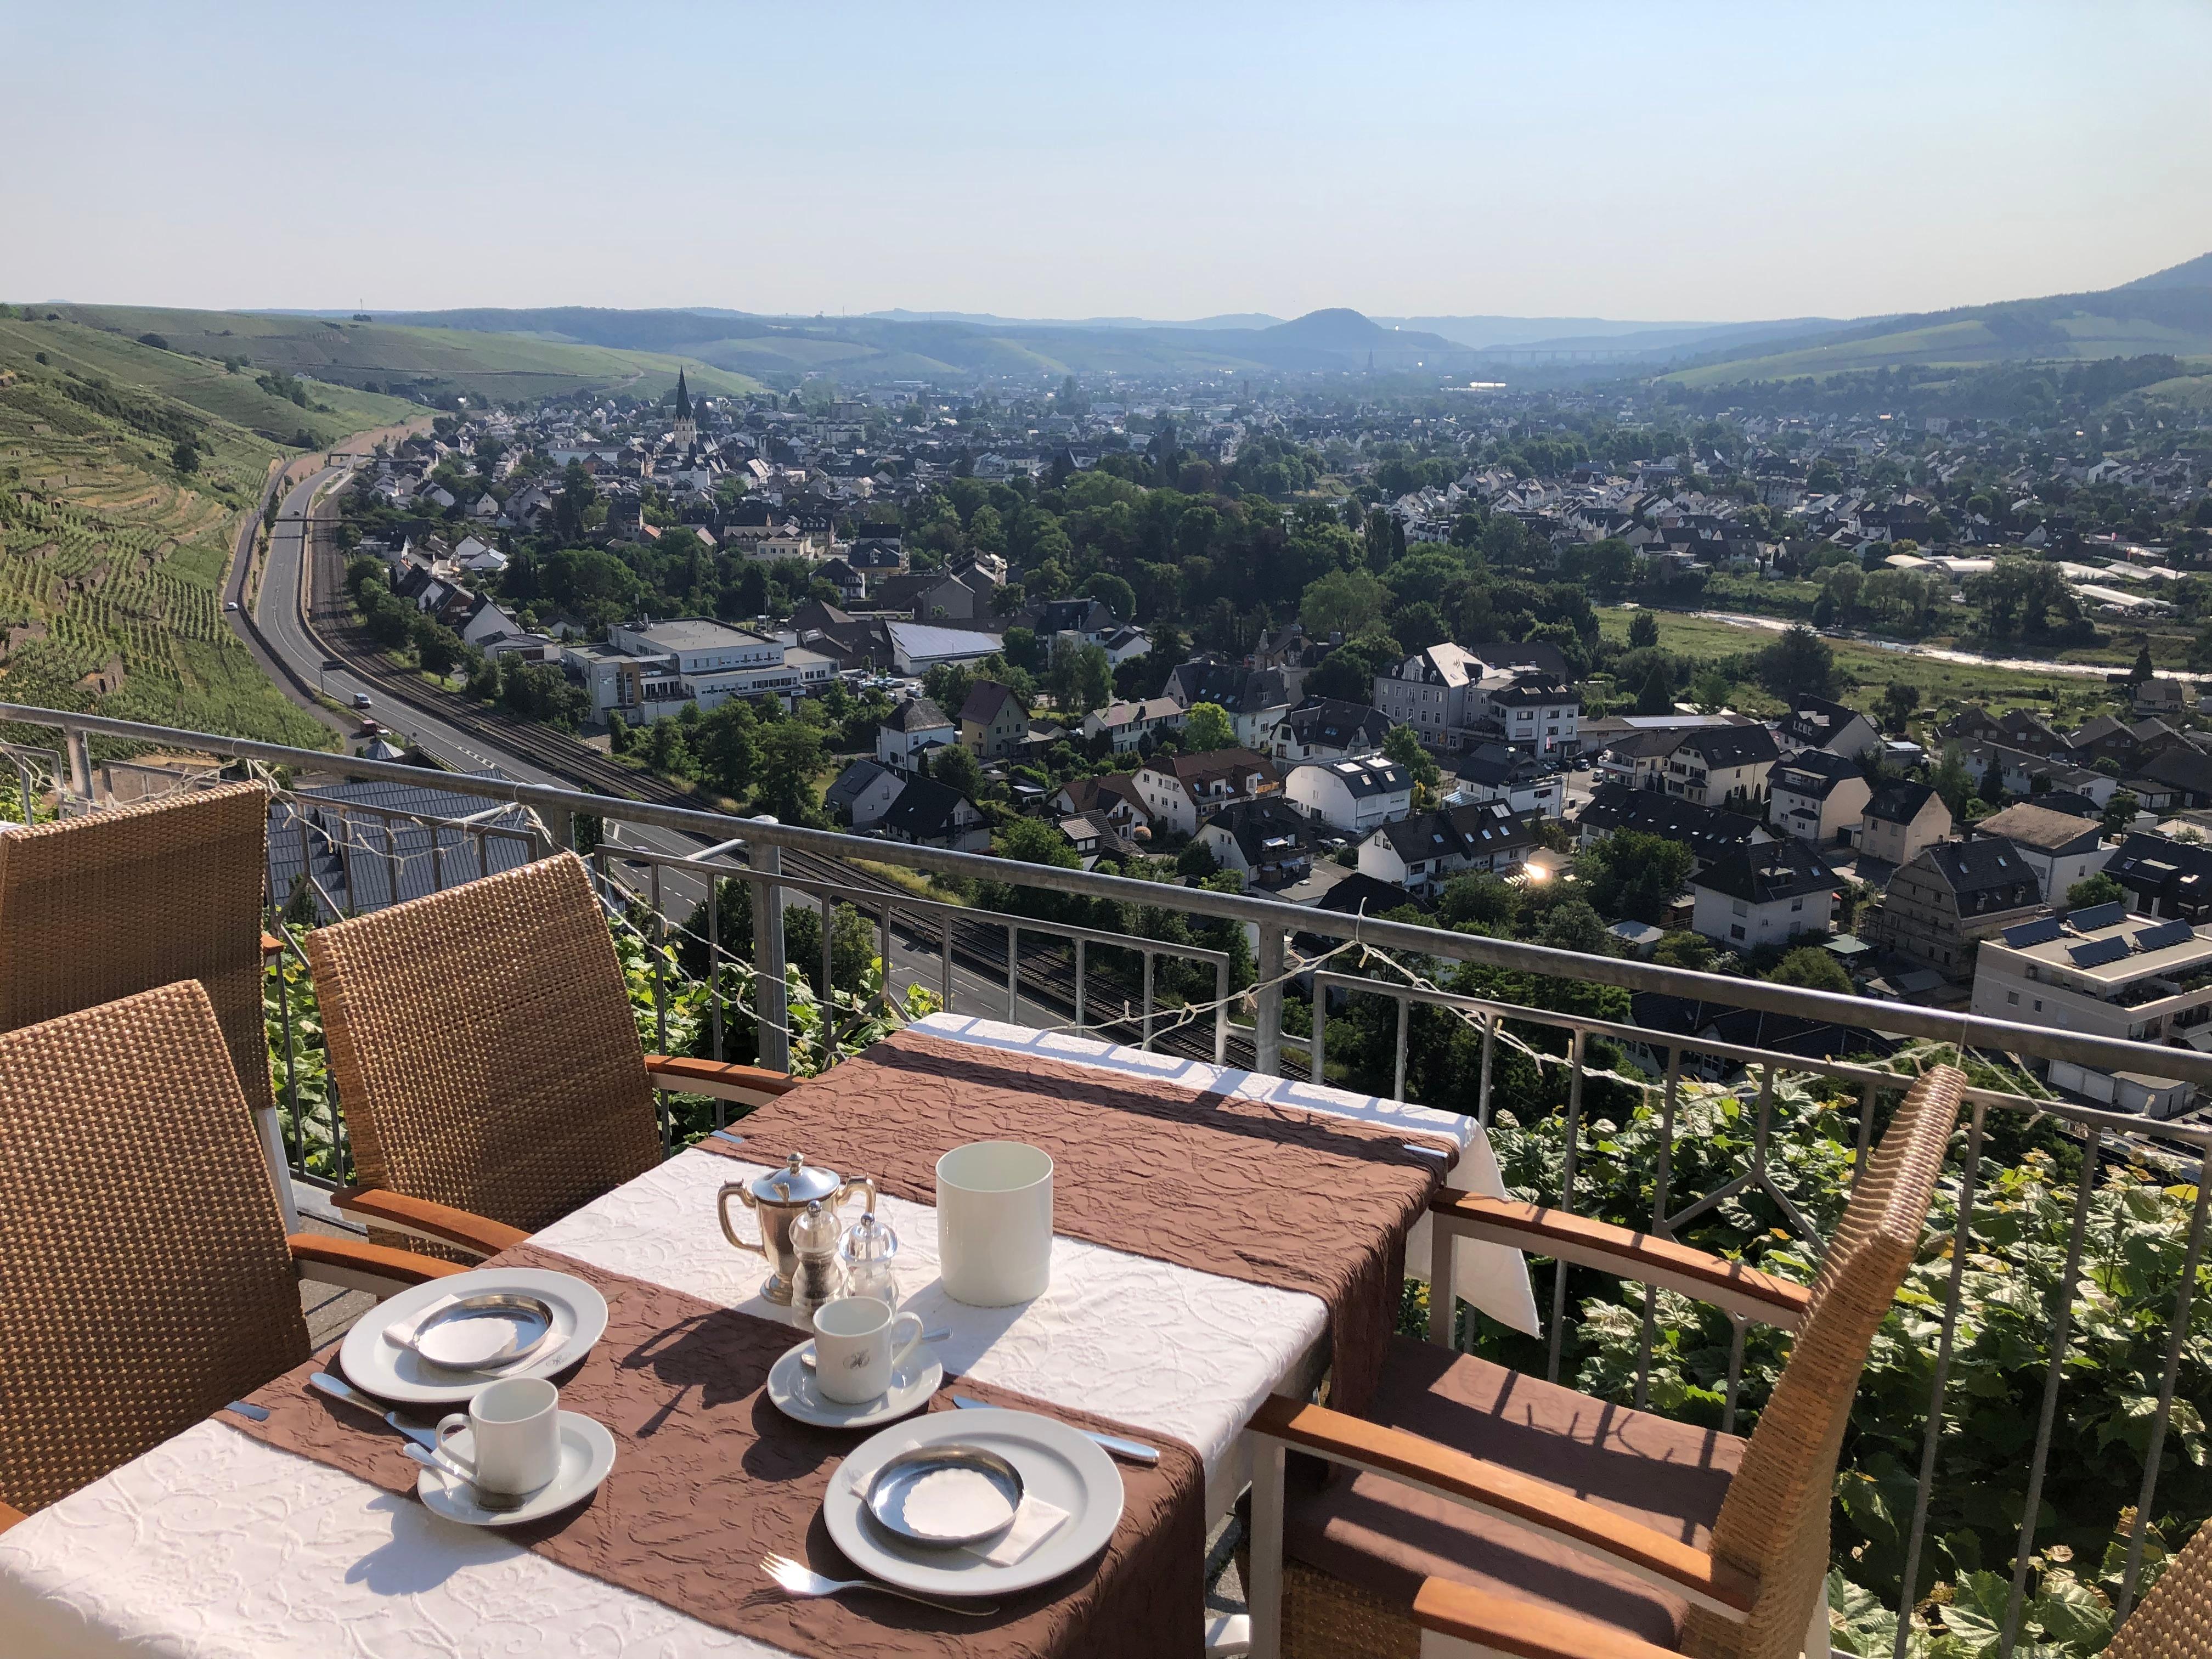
2097, 915
2098, 951
2165, 933
2040, 931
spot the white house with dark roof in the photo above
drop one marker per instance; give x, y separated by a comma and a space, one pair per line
1353, 795
1765, 894
1901, 819
1422, 852
1179, 790
1722, 765
1128, 724
1263, 841
1522, 782
2061, 847
906, 736
1816, 796
1329, 728
1818, 723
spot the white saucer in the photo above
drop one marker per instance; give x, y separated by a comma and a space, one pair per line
587, 1454
791, 1386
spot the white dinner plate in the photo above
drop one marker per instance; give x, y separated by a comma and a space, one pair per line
793, 1388
404, 1377
587, 1455
1058, 1465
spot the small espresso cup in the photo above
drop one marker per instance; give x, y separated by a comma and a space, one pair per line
515, 1427
857, 1347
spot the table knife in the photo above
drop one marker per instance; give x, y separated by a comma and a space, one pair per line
248, 1410
338, 1388
1135, 1450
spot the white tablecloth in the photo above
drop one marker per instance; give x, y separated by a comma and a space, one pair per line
217, 1545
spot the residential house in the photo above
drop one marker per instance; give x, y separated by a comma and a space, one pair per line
2120, 979
1535, 713
1089, 622
2160, 696
1817, 795
648, 669
1329, 728
1953, 896
1452, 697
2165, 877
1765, 894
906, 737
1900, 818
1817, 723
1126, 642
2178, 776
1128, 724
993, 722
928, 813
1422, 852
1352, 795
2018, 772
1428, 691
1492, 772
2014, 729
1179, 790
1637, 760
1263, 841
1093, 838
863, 793
2061, 848
1113, 796
1254, 699
1722, 765
1709, 832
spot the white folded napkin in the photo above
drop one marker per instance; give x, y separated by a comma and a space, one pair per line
400, 1332
1033, 1521
461, 1345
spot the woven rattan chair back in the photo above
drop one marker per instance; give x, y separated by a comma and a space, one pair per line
2174, 1621
1774, 1522
121, 901
483, 1048
143, 1274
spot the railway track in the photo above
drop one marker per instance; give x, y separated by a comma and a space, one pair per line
1047, 969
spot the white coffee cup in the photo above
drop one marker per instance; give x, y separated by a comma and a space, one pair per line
515, 1430
995, 1223
856, 1347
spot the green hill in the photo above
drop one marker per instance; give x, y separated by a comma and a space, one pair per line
2166, 314
411, 362
112, 555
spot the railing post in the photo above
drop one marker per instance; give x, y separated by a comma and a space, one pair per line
1220, 1012
1405, 1027
560, 830
80, 765
1267, 1006
1013, 973
1147, 1043
770, 1010
1079, 943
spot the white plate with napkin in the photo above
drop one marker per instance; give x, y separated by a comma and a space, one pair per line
391, 1372
1072, 1502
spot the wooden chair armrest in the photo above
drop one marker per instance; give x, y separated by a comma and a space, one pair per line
376, 1268
1644, 1257
9, 1515
271, 945
1493, 1490
1527, 1630
727, 1080
421, 1218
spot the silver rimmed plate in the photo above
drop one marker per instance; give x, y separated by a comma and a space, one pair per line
1057, 1465
403, 1377
793, 1388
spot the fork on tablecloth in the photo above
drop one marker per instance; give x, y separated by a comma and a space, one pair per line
797, 1578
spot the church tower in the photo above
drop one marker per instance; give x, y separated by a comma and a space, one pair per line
687, 429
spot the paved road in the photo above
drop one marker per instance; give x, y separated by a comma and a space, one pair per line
295, 661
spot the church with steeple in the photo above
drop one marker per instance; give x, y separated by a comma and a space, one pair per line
687, 428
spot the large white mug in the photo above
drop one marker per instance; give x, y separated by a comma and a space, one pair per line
515, 1428
857, 1347
995, 1223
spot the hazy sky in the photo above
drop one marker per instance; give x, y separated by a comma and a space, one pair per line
1676, 161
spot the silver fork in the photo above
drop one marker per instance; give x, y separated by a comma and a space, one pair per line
797, 1578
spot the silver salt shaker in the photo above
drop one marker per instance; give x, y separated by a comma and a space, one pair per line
816, 1277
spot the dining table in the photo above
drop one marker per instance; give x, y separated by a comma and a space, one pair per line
1220, 1236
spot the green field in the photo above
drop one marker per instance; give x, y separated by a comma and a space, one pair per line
112, 561
427, 362
1942, 685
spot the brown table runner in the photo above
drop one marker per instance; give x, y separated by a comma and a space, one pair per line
710, 1476
1267, 1194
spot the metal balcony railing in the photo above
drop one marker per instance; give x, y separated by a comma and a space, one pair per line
988, 963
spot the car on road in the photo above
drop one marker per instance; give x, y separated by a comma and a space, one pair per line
230, 604
361, 699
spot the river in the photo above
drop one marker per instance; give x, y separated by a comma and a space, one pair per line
2085, 670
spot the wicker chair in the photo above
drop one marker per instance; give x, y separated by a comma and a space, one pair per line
148, 1278
488, 1061
96, 908
2174, 1621
1579, 1529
